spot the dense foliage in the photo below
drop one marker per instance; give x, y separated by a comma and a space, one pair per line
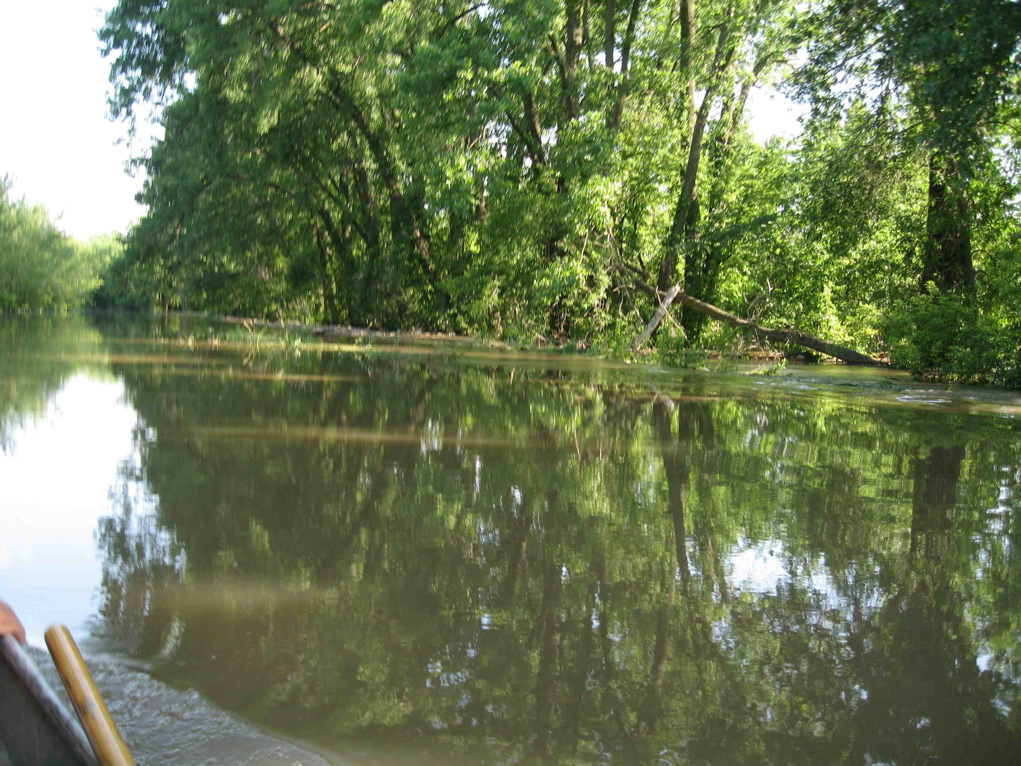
548, 167
42, 268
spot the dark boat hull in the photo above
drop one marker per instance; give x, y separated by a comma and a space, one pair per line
35, 727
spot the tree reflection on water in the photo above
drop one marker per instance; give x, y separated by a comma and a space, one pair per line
496, 563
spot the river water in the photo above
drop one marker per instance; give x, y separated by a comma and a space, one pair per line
420, 553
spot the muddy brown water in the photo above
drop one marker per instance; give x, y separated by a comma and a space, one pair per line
279, 551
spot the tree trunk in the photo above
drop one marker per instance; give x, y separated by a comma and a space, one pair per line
703, 262
948, 262
610, 32
623, 82
661, 311
330, 308
573, 42
686, 212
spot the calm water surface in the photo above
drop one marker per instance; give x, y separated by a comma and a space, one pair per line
414, 554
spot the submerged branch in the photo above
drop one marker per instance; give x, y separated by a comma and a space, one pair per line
791, 337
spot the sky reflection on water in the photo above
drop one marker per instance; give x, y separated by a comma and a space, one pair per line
56, 477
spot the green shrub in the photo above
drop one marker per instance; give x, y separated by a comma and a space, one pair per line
949, 337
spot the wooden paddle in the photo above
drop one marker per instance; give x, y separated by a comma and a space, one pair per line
99, 726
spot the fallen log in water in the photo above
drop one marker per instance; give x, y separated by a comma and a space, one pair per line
791, 337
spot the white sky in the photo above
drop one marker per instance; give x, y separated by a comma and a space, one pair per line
61, 150
56, 142
772, 114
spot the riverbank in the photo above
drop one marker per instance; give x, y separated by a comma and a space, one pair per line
696, 358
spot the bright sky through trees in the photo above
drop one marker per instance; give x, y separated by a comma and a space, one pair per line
56, 142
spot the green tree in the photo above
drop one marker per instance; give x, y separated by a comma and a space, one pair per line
498, 169
942, 76
41, 268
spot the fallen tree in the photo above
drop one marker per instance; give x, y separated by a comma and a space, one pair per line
787, 337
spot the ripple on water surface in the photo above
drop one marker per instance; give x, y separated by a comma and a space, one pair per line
164, 726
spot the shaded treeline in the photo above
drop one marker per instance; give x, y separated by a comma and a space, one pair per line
41, 267
523, 563
547, 168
